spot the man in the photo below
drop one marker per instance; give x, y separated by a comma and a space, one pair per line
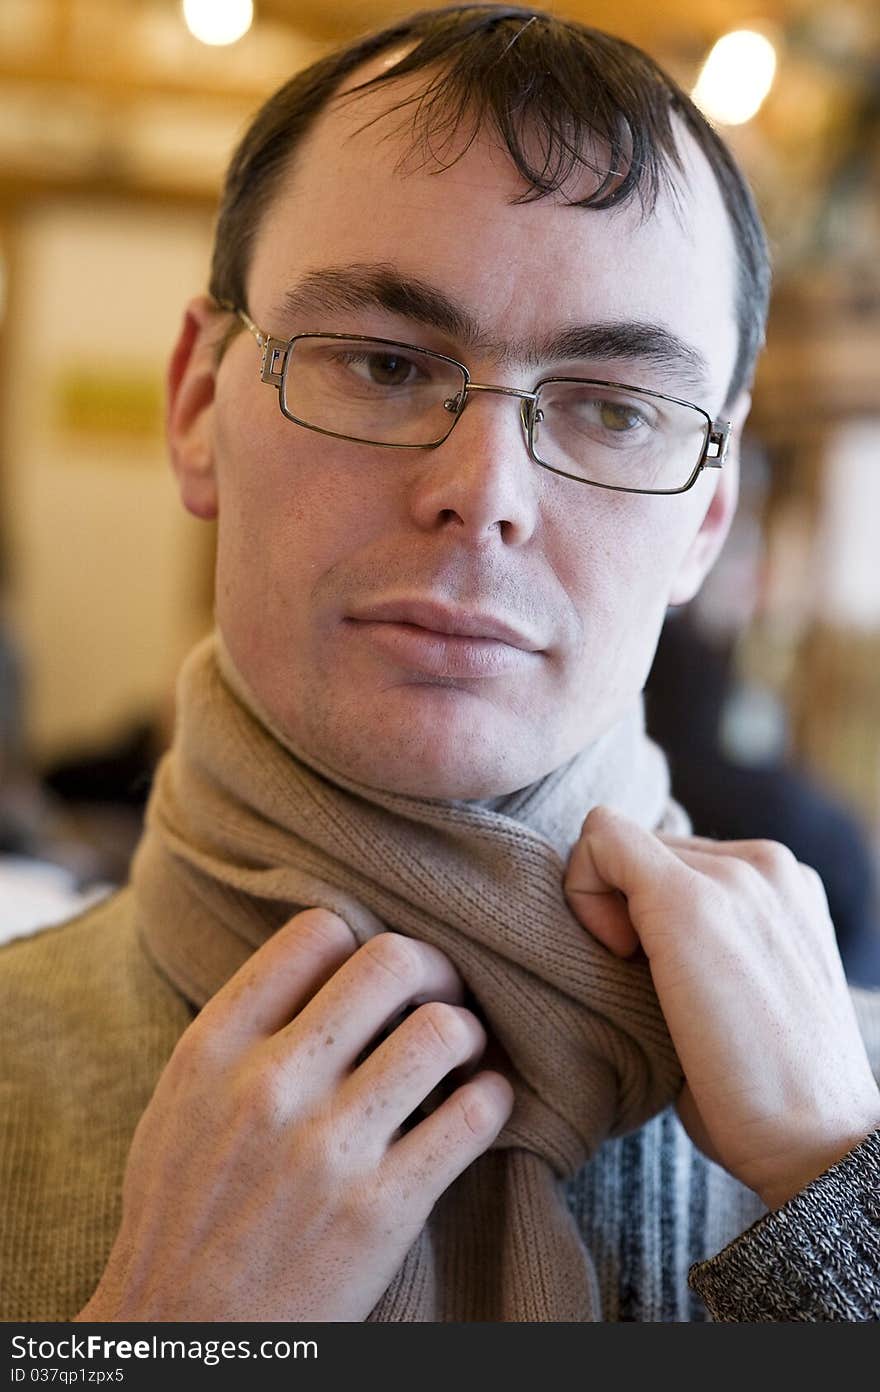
456, 960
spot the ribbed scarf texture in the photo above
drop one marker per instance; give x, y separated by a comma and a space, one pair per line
243, 831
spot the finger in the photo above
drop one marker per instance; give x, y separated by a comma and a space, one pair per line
414, 1059
615, 853
436, 1151
606, 915
386, 974
582, 873
770, 858
279, 978
773, 861
596, 904
770, 886
706, 843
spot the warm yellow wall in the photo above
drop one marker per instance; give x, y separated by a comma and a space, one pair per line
106, 573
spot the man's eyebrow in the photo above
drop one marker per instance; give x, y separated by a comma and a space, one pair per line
382, 286
635, 342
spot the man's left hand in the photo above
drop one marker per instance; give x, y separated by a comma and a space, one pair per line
744, 959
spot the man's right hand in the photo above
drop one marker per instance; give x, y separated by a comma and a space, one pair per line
269, 1178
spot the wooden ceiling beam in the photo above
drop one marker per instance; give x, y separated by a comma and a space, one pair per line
53, 71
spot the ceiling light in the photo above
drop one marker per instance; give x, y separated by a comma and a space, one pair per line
218, 21
736, 77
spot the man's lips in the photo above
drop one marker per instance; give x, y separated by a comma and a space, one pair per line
443, 641
447, 620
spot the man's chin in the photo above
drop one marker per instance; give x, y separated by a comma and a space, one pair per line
448, 784
443, 757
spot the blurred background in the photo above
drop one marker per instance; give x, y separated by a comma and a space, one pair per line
116, 120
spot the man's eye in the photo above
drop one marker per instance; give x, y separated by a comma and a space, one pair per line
389, 369
619, 417
380, 369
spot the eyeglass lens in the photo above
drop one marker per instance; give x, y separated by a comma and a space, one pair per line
381, 393
370, 391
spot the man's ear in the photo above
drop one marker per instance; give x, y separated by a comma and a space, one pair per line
703, 550
190, 382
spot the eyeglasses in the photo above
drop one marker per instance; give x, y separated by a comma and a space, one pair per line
376, 391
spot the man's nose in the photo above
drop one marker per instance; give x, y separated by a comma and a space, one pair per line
481, 480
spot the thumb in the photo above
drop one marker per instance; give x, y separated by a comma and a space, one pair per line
617, 874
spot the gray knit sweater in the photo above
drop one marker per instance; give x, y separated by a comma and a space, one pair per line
87, 1024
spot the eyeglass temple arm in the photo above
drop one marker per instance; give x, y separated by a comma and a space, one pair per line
274, 349
717, 445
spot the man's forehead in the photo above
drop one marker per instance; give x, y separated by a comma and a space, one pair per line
399, 102
351, 193
382, 130
404, 111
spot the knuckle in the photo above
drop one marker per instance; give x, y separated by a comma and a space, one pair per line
481, 1110
323, 1153
447, 1029
328, 928
194, 1082
771, 858
393, 955
197, 1053
368, 1210
734, 874
261, 1096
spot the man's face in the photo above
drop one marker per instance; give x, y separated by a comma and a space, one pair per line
323, 544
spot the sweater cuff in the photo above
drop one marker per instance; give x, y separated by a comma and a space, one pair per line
816, 1258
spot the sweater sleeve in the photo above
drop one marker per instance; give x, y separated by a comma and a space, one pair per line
817, 1258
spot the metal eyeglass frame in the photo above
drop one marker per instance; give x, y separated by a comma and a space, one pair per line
274, 360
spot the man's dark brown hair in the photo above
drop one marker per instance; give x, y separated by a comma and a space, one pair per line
552, 89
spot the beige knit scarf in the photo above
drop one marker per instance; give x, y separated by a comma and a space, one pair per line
243, 831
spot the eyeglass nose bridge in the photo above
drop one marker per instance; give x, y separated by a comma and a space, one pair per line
529, 413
